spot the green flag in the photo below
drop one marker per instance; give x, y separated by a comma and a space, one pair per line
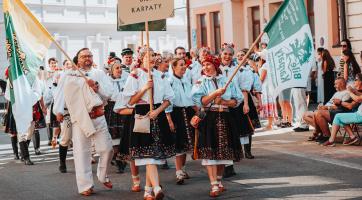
290, 54
27, 41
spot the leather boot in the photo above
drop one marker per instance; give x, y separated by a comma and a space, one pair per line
25, 152
50, 135
36, 142
165, 166
62, 158
229, 171
120, 166
14, 144
247, 148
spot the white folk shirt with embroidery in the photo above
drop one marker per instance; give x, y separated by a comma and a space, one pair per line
138, 79
104, 83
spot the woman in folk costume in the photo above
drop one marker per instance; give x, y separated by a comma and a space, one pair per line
256, 89
218, 141
179, 115
152, 144
118, 78
126, 112
248, 110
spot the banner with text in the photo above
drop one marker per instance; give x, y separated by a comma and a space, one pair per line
136, 11
290, 48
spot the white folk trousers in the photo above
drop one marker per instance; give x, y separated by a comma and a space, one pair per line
82, 153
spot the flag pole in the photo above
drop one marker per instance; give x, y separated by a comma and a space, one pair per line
142, 42
67, 56
150, 91
244, 59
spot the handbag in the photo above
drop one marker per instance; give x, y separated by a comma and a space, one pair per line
142, 124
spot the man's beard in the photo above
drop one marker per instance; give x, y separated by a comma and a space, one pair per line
87, 65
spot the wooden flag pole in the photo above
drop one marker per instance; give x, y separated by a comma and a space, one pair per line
142, 42
244, 59
68, 57
148, 64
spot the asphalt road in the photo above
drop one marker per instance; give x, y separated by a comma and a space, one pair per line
286, 167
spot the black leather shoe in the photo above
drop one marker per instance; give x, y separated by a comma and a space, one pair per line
322, 139
248, 155
28, 162
120, 166
37, 152
63, 169
229, 172
16, 157
165, 166
299, 129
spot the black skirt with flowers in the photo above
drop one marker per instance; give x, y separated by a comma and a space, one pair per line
9, 121
219, 137
185, 133
125, 134
38, 116
115, 121
247, 122
159, 144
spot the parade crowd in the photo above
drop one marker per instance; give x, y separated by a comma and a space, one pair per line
144, 107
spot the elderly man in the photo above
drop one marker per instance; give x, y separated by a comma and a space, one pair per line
346, 119
84, 99
339, 103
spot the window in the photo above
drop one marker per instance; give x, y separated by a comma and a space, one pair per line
255, 17
273, 8
336, 28
217, 31
203, 30
310, 11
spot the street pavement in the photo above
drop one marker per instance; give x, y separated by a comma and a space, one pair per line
286, 167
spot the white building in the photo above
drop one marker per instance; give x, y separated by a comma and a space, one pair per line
93, 23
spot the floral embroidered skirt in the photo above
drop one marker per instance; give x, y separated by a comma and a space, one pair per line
115, 122
159, 144
185, 133
218, 138
125, 135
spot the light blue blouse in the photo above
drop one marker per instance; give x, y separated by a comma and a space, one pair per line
257, 83
117, 85
182, 90
207, 85
195, 72
246, 79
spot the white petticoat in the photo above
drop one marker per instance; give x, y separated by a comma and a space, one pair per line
216, 162
149, 161
116, 142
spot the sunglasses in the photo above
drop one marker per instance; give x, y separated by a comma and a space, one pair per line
344, 45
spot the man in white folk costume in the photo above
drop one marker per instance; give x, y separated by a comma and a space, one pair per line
84, 98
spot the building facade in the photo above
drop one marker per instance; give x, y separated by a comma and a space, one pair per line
93, 23
214, 22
